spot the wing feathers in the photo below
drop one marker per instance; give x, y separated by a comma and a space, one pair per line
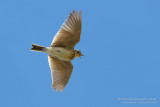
60, 72
69, 34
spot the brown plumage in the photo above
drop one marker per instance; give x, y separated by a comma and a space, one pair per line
62, 51
61, 72
37, 48
69, 34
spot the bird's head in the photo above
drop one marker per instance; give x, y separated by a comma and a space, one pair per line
78, 53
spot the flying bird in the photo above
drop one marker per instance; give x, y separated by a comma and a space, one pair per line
61, 51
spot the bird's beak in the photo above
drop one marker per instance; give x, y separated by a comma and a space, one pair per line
81, 55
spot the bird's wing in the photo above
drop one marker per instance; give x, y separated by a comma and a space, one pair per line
69, 34
60, 72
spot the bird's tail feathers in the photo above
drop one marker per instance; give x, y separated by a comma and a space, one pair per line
37, 48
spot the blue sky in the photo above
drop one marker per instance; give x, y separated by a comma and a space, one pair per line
120, 40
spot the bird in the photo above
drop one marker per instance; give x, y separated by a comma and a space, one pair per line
61, 51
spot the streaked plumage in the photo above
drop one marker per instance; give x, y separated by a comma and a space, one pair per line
61, 51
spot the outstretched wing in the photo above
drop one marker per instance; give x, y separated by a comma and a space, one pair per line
69, 34
60, 72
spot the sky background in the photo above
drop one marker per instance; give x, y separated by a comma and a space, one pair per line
120, 41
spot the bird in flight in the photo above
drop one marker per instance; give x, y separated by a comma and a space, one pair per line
61, 51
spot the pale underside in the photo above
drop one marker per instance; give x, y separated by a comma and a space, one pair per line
67, 37
60, 53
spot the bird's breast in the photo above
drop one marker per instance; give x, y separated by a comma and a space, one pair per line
61, 53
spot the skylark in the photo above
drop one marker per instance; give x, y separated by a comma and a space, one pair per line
61, 50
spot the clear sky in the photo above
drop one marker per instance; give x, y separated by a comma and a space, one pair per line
120, 41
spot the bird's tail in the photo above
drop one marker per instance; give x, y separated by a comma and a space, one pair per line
37, 48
